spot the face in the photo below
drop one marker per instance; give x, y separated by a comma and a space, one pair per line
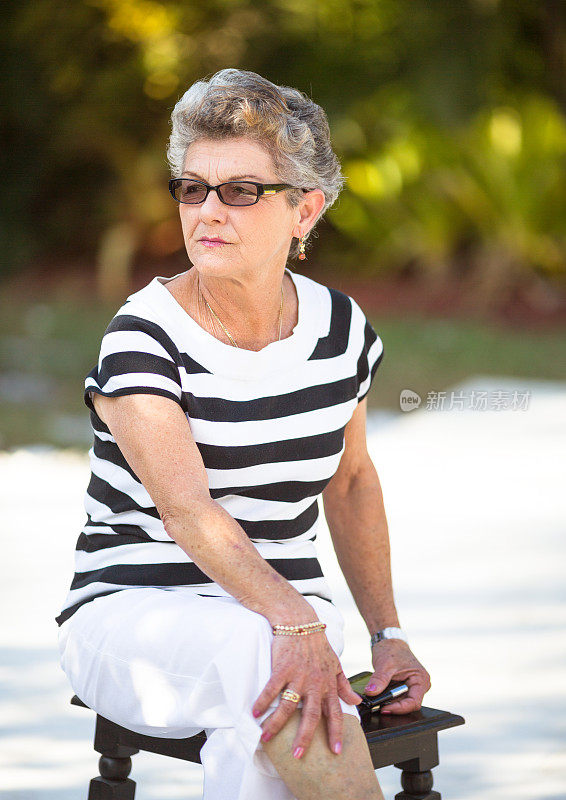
257, 237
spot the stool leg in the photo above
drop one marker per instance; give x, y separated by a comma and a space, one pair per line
416, 773
115, 764
113, 782
417, 786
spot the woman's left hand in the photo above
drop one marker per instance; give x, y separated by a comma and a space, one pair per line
393, 660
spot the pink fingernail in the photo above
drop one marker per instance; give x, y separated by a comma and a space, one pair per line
265, 737
371, 687
338, 747
298, 752
256, 713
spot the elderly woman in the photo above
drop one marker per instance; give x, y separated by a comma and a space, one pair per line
225, 401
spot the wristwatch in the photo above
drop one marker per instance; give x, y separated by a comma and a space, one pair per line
388, 633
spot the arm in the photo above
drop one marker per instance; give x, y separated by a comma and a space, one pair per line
354, 510
353, 505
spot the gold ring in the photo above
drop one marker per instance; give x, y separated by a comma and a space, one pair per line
289, 694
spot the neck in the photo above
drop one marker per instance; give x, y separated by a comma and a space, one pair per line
249, 311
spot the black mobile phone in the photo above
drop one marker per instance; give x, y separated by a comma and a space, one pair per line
371, 704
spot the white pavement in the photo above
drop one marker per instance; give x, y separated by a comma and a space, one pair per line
475, 503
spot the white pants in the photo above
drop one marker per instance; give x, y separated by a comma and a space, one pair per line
166, 662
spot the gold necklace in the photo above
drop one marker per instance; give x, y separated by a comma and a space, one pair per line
223, 326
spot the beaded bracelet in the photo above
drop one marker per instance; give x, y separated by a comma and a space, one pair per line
298, 630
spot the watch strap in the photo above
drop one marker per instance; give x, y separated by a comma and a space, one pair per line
388, 633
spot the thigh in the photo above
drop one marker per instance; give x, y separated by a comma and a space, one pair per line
170, 663
166, 663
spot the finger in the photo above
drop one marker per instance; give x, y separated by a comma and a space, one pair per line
310, 717
378, 682
277, 720
335, 717
272, 688
411, 702
345, 690
404, 706
266, 727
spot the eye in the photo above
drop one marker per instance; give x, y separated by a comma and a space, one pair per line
191, 188
242, 190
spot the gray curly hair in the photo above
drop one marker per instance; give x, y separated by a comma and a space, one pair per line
291, 127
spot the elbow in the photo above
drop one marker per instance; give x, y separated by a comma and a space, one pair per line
340, 494
190, 513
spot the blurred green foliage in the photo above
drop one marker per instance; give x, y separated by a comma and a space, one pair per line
449, 119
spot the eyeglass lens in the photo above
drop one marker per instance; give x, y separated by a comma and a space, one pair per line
235, 193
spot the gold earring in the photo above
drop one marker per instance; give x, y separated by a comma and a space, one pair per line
302, 255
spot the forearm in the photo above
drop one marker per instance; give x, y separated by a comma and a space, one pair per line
220, 547
360, 535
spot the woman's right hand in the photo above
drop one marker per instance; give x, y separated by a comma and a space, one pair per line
309, 666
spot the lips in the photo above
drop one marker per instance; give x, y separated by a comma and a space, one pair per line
213, 240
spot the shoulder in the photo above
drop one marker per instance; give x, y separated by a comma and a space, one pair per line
345, 319
336, 304
139, 325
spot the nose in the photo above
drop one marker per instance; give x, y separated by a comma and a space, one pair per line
213, 209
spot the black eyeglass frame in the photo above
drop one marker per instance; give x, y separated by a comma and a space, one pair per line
263, 190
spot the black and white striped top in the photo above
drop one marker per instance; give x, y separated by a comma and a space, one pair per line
269, 425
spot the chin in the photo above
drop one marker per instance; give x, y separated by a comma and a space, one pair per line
212, 264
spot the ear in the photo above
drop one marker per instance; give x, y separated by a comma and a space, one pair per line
309, 210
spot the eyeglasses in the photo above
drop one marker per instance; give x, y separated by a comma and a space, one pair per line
231, 193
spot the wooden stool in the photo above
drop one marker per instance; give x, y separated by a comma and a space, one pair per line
410, 742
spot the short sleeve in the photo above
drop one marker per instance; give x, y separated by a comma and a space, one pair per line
136, 357
369, 360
